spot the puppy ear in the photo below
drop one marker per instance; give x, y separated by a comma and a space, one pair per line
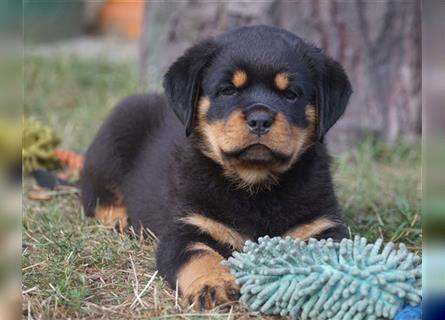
183, 79
334, 90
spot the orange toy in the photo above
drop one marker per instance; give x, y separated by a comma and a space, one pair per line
71, 160
124, 17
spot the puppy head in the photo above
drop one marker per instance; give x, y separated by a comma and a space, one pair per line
256, 98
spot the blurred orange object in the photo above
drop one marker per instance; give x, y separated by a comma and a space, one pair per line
123, 17
70, 159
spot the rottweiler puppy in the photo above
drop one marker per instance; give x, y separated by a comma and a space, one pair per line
233, 151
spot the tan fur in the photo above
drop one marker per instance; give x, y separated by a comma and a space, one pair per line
210, 145
282, 81
239, 78
311, 229
203, 273
232, 134
112, 216
198, 246
218, 231
249, 175
306, 136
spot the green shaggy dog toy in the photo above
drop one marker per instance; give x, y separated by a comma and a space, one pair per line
321, 279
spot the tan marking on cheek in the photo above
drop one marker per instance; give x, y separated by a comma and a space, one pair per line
203, 106
239, 78
282, 81
221, 134
218, 231
224, 135
311, 114
311, 229
282, 135
209, 143
310, 130
203, 272
112, 216
233, 133
293, 140
228, 135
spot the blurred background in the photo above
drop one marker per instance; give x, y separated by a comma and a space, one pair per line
378, 43
81, 57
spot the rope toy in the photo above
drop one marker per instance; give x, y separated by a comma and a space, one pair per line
322, 279
38, 146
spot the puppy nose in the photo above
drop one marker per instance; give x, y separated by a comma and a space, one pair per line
260, 119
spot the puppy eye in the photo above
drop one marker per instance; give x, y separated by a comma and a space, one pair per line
292, 95
227, 91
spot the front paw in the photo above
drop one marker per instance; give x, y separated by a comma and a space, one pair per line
212, 290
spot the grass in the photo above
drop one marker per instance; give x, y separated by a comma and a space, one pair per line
73, 96
379, 191
75, 268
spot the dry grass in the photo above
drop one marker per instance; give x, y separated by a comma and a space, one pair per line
75, 268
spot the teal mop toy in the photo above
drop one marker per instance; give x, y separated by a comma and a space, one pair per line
322, 279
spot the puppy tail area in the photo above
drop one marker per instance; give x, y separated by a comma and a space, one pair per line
112, 153
48, 180
106, 205
113, 217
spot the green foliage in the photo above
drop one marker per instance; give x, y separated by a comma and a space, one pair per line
38, 145
378, 187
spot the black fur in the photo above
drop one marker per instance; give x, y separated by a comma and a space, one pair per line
142, 152
334, 91
183, 80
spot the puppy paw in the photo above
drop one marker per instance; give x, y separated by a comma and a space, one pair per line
212, 290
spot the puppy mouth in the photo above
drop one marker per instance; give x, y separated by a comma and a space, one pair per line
258, 154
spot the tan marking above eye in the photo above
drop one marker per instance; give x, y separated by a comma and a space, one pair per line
239, 78
282, 81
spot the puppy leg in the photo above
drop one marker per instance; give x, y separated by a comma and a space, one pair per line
337, 233
103, 203
193, 260
320, 228
203, 281
113, 216
111, 156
